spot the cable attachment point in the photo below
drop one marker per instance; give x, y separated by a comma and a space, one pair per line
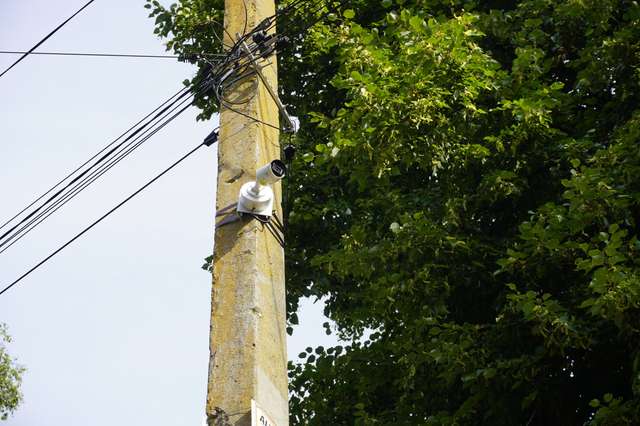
260, 37
273, 225
211, 139
290, 126
289, 153
269, 43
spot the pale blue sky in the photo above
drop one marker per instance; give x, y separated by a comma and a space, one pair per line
114, 330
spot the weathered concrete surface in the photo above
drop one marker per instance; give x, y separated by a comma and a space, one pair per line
248, 339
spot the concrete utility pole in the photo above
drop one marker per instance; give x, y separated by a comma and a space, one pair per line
248, 356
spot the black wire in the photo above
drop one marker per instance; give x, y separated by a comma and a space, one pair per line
107, 55
79, 186
89, 176
113, 55
96, 164
85, 230
274, 232
225, 104
246, 17
45, 38
93, 157
296, 5
220, 67
221, 40
273, 228
257, 120
277, 223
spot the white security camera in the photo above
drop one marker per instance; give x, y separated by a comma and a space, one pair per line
257, 197
271, 173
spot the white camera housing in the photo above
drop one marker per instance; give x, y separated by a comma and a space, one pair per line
257, 197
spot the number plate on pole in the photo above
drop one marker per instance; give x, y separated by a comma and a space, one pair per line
259, 417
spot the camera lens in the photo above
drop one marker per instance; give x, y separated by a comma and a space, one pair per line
278, 168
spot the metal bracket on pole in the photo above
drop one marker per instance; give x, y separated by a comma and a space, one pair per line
290, 125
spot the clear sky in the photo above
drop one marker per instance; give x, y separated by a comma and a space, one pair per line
114, 330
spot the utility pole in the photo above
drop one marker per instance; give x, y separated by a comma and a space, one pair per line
248, 356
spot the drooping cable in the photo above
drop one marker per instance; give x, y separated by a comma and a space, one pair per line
106, 161
266, 25
46, 38
90, 54
219, 68
54, 187
274, 228
87, 177
80, 186
88, 228
97, 163
230, 65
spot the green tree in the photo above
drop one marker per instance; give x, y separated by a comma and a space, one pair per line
10, 378
468, 188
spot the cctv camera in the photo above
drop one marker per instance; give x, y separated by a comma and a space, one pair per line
271, 173
257, 197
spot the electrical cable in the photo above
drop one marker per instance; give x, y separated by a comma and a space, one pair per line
278, 224
274, 233
246, 17
88, 228
64, 195
110, 55
221, 39
178, 95
93, 157
106, 55
87, 177
270, 23
45, 38
269, 224
79, 185
272, 227
98, 162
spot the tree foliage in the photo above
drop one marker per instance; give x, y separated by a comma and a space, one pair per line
467, 190
10, 378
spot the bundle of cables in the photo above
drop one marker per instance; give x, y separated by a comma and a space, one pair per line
217, 75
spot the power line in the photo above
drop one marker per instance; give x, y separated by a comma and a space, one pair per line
45, 38
107, 55
77, 180
50, 190
222, 72
107, 161
217, 73
78, 187
87, 176
85, 230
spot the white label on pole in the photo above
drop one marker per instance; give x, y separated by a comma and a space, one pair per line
259, 417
